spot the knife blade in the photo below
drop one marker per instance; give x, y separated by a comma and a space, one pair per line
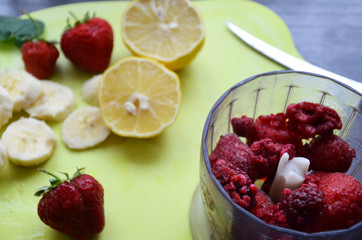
288, 60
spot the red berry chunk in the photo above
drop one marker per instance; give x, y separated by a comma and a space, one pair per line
268, 155
237, 184
269, 212
343, 194
308, 119
265, 126
303, 206
231, 149
330, 153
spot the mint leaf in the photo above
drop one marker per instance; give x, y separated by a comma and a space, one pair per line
14, 29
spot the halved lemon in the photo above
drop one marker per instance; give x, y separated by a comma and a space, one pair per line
170, 31
139, 97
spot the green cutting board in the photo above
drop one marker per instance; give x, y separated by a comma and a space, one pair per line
148, 183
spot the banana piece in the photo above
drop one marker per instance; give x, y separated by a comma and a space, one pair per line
89, 90
3, 155
6, 106
29, 142
84, 128
22, 87
54, 103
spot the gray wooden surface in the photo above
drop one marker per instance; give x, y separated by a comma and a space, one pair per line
327, 33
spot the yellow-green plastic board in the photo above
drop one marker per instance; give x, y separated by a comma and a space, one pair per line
148, 183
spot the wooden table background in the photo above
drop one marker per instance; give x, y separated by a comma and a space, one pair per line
327, 33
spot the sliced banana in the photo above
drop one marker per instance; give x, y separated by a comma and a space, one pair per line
6, 106
3, 155
22, 87
84, 128
54, 103
89, 90
29, 142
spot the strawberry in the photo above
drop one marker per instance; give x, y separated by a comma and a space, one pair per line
329, 153
343, 195
39, 58
88, 44
73, 206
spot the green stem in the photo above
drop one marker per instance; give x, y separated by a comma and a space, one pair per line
33, 21
49, 173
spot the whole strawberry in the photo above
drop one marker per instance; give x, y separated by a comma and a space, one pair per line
73, 206
343, 195
39, 58
89, 44
329, 153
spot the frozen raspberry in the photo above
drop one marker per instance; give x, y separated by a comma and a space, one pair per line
265, 126
268, 155
237, 184
308, 119
303, 206
311, 179
343, 194
269, 212
330, 153
243, 126
231, 149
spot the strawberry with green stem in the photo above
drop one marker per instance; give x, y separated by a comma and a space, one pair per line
89, 43
39, 56
73, 206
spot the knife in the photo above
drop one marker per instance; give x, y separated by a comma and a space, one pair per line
288, 60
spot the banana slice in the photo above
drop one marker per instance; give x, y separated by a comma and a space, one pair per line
3, 155
84, 128
22, 87
54, 103
6, 106
89, 90
29, 142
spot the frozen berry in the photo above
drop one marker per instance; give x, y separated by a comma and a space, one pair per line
243, 126
231, 149
303, 206
308, 119
269, 212
330, 153
237, 184
343, 194
268, 155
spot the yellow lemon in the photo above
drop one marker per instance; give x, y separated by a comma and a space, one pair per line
170, 31
139, 97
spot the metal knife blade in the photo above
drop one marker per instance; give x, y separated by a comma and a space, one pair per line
288, 60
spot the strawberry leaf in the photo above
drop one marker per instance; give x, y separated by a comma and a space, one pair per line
56, 181
17, 30
41, 191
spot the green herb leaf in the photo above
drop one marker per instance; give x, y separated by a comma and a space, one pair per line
14, 29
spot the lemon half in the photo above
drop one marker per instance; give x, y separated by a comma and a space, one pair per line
139, 97
170, 31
